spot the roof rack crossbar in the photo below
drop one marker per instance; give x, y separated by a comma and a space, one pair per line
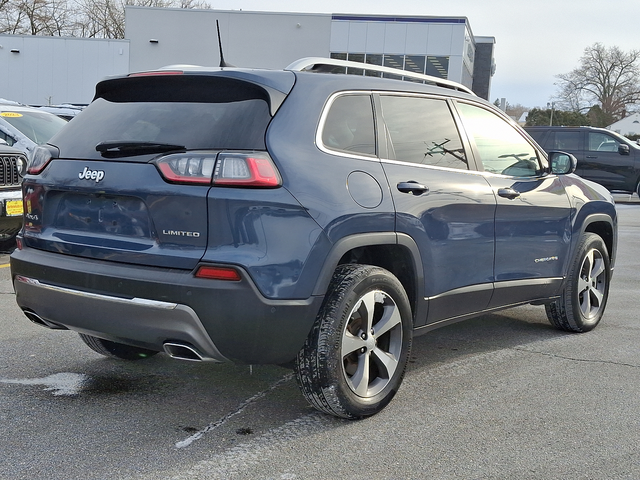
310, 64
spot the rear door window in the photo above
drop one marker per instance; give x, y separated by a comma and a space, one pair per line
422, 131
567, 141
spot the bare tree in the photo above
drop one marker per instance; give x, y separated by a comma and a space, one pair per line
36, 17
606, 77
77, 18
106, 18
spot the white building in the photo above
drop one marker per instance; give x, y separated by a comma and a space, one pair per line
627, 126
440, 46
54, 70
39, 70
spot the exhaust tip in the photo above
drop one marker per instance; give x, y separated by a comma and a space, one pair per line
38, 320
182, 351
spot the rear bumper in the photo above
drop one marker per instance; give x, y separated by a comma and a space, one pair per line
155, 307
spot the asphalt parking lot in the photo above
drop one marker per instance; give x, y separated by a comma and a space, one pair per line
503, 396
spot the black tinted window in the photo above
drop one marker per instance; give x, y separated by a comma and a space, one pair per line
349, 125
422, 130
567, 141
229, 119
601, 142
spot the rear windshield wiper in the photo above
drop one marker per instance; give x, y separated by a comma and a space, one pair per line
124, 148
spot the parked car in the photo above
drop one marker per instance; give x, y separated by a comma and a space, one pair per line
13, 165
24, 127
65, 111
305, 218
603, 156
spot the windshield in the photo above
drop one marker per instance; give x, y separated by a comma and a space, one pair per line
39, 127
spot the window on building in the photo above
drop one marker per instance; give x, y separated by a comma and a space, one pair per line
373, 59
438, 67
355, 57
393, 61
434, 66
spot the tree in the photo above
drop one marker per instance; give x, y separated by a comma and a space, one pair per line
514, 111
540, 117
76, 18
606, 77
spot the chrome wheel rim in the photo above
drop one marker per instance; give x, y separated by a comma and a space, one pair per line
371, 344
592, 284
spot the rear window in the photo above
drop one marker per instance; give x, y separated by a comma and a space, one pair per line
197, 113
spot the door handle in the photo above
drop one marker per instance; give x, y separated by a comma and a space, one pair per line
592, 156
412, 187
508, 192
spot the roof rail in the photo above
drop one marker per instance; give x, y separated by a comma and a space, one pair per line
319, 64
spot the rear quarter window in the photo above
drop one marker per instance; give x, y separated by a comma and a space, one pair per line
348, 126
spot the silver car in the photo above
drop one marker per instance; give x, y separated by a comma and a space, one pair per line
25, 127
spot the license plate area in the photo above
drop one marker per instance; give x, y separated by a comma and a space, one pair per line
13, 208
103, 214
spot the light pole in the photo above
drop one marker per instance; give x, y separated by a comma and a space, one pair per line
551, 106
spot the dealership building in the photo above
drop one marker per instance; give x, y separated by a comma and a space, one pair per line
54, 70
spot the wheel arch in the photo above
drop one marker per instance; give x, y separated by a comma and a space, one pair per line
605, 227
397, 253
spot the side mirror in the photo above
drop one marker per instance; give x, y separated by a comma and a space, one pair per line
3, 142
623, 149
562, 163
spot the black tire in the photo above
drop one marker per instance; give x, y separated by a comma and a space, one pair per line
354, 359
116, 350
584, 298
7, 243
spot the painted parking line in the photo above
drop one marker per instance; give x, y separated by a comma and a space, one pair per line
5, 265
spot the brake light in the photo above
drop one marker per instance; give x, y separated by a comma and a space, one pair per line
229, 169
40, 158
246, 170
218, 273
155, 73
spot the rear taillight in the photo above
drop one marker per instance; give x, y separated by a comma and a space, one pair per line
246, 170
41, 157
187, 168
230, 169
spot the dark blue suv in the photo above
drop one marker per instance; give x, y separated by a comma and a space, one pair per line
301, 217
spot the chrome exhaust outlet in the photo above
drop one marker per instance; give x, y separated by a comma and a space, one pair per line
38, 320
182, 351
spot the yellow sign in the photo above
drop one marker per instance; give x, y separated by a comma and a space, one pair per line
10, 114
13, 208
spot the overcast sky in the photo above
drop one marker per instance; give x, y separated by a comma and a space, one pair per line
535, 39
